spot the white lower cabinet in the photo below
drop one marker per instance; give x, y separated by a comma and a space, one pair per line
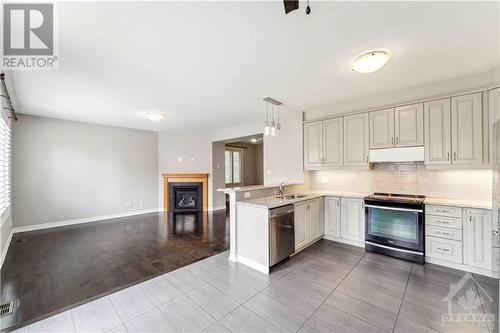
477, 238
308, 222
300, 224
352, 219
460, 236
445, 249
332, 216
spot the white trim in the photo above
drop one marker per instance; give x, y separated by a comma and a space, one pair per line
6, 247
212, 209
252, 264
345, 240
84, 220
462, 267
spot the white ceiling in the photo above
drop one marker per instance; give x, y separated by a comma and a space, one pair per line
208, 65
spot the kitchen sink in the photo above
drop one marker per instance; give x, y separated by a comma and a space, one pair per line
291, 196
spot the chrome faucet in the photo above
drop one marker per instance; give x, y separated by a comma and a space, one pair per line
282, 189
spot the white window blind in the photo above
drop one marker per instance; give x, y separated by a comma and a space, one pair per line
5, 157
233, 163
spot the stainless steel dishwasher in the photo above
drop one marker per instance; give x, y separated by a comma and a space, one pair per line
282, 234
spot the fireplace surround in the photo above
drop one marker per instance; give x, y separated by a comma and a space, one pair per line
185, 192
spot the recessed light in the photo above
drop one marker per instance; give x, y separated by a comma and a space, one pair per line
155, 116
370, 61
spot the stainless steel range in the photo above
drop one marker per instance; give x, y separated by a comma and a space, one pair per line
395, 225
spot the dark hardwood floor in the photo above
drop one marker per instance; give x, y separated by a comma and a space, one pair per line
55, 269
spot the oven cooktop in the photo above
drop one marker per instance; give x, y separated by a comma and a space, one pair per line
397, 197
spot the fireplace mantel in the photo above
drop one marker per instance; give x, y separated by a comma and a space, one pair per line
189, 177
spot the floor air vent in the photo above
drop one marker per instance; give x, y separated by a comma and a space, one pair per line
8, 308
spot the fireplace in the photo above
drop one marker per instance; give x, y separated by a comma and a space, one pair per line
185, 192
185, 196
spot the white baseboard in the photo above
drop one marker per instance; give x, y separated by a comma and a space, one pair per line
6, 247
252, 264
462, 267
344, 240
212, 209
80, 221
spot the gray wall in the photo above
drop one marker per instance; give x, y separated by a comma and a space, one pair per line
65, 170
252, 163
218, 179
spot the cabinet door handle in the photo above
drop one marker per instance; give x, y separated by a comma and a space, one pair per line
448, 156
444, 250
366, 159
454, 156
397, 140
392, 140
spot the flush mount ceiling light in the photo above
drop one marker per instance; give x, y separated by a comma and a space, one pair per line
155, 116
254, 140
370, 61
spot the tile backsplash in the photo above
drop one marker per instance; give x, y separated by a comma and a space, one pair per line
411, 178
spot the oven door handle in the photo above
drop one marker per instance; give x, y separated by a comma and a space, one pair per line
395, 208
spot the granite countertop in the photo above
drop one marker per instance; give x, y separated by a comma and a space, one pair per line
458, 202
273, 202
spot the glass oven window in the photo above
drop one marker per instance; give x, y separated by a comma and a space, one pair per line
392, 224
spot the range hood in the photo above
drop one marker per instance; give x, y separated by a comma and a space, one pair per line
406, 154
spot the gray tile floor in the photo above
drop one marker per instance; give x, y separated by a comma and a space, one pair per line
328, 287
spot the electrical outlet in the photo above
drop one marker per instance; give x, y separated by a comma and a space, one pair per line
324, 180
141, 203
128, 204
247, 194
269, 172
179, 158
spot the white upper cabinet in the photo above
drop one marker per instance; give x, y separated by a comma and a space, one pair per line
313, 144
382, 129
467, 129
477, 238
438, 131
356, 140
494, 124
333, 148
409, 125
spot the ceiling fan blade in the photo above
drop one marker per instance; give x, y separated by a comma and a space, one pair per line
290, 5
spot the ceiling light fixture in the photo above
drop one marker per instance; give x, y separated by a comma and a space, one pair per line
155, 116
254, 140
272, 127
370, 61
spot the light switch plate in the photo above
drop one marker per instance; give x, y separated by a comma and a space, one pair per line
324, 180
247, 194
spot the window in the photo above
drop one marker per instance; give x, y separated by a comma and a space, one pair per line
5, 153
233, 161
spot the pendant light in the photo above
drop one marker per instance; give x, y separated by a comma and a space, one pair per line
272, 127
267, 128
